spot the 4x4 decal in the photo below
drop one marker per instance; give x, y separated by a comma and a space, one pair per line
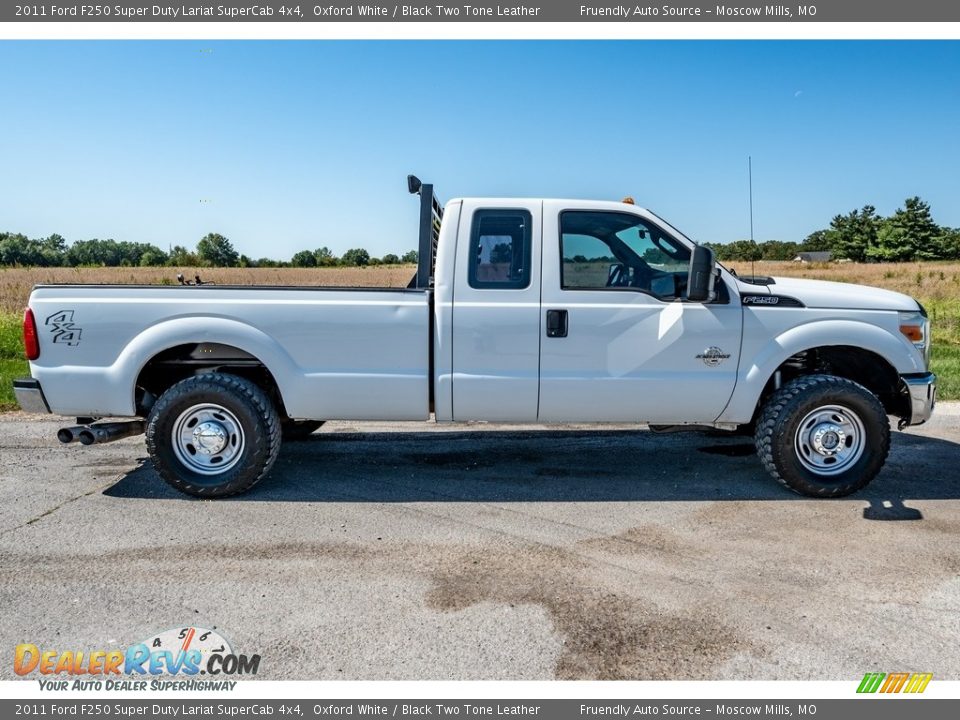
63, 329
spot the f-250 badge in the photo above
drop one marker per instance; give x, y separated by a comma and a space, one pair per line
712, 356
63, 329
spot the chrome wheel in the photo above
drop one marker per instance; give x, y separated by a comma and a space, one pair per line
829, 440
208, 439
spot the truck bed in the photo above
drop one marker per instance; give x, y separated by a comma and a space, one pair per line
335, 353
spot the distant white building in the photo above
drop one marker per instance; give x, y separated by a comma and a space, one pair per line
812, 257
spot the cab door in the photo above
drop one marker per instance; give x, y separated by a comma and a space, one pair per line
496, 312
622, 343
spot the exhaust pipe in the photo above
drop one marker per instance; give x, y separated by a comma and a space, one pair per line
68, 435
108, 432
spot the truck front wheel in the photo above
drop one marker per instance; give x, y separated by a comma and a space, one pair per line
213, 435
823, 436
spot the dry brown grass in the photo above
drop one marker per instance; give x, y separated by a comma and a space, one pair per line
928, 281
15, 283
936, 285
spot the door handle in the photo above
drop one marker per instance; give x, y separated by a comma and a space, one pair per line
556, 323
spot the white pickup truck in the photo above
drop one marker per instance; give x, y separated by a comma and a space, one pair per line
522, 310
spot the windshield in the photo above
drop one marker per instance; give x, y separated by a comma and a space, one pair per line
687, 237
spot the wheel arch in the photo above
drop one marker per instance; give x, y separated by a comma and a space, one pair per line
178, 348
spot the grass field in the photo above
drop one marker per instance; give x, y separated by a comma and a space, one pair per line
12, 363
15, 283
936, 285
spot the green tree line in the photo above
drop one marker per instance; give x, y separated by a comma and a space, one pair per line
213, 250
862, 235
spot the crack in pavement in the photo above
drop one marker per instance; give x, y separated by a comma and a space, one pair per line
51, 511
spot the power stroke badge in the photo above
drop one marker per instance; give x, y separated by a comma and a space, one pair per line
712, 356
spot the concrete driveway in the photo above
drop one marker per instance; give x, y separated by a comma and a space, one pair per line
409, 551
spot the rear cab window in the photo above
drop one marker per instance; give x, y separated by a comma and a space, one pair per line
500, 249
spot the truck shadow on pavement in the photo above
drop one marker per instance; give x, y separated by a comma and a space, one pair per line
558, 466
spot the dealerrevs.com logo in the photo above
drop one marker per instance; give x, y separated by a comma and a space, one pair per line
182, 652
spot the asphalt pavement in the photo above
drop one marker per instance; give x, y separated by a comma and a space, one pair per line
412, 551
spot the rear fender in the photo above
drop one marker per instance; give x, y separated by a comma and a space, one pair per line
183, 331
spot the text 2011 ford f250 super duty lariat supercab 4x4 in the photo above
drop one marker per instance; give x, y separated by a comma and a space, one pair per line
521, 310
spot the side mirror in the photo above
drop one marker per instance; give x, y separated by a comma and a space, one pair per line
702, 275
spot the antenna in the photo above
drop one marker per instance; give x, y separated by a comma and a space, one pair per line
750, 181
750, 185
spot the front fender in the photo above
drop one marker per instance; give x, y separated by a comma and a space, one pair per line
758, 367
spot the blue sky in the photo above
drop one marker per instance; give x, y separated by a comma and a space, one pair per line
286, 145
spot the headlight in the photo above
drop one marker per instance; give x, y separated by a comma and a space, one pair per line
915, 326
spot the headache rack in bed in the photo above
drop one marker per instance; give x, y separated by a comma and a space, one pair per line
431, 213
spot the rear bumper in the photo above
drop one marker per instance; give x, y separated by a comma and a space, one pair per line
29, 395
922, 389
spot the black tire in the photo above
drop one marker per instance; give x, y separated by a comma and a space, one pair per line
238, 414
296, 430
820, 452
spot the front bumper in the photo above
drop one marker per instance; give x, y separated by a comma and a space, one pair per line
922, 390
29, 395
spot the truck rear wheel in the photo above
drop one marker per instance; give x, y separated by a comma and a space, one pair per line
213, 435
823, 436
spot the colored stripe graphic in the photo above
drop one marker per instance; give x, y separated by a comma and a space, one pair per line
870, 682
918, 683
894, 683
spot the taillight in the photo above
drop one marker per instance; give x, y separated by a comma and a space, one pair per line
31, 343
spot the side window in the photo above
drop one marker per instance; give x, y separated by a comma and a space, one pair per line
500, 247
617, 251
586, 262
